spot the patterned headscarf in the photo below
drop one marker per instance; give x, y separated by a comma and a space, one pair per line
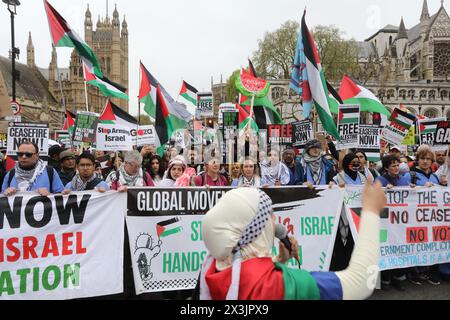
237, 228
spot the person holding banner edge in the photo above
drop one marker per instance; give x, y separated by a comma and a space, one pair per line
31, 174
239, 235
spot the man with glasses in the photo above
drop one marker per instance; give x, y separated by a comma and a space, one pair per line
86, 179
129, 174
31, 174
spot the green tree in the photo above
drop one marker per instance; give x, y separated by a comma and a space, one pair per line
276, 52
230, 90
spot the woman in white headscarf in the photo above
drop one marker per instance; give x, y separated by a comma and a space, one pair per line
239, 235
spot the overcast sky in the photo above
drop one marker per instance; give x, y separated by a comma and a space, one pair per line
198, 39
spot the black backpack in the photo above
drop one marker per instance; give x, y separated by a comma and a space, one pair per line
50, 173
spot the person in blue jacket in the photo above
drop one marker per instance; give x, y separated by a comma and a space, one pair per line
313, 168
392, 176
31, 174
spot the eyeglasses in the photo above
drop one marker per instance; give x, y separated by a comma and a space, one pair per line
25, 154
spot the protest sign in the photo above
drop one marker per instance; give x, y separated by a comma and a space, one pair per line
19, 132
61, 247
165, 231
443, 133
410, 139
146, 135
396, 131
369, 141
279, 134
348, 126
85, 128
302, 132
414, 226
427, 133
205, 105
226, 107
114, 137
230, 127
63, 138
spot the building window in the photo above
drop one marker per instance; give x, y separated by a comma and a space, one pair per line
402, 94
441, 67
423, 94
444, 94
432, 94
411, 94
431, 113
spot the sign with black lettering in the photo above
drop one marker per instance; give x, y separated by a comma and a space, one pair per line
19, 132
205, 105
348, 126
427, 133
302, 132
85, 128
369, 141
442, 133
280, 134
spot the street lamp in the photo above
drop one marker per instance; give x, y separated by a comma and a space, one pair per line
12, 5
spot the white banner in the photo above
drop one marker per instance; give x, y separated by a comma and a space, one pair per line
113, 137
415, 226
167, 248
61, 247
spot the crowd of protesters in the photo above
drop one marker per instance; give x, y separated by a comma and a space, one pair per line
318, 163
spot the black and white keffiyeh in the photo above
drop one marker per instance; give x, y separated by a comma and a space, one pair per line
26, 178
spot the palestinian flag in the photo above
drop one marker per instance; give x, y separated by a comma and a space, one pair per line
348, 114
264, 111
64, 36
402, 119
245, 118
69, 122
353, 93
427, 132
334, 99
163, 228
107, 87
147, 91
112, 114
189, 93
147, 94
163, 122
317, 83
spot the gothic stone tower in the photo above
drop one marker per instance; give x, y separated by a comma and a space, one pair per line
110, 44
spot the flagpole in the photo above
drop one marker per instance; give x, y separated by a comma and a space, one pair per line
86, 95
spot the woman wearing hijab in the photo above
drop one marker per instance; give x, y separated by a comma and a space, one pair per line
177, 174
239, 235
314, 168
351, 174
273, 171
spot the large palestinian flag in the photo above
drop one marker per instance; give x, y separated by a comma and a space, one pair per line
163, 122
352, 92
148, 96
112, 114
189, 93
317, 82
106, 86
64, 36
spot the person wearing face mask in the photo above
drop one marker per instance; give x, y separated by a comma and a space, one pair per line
313, 167
350, 175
